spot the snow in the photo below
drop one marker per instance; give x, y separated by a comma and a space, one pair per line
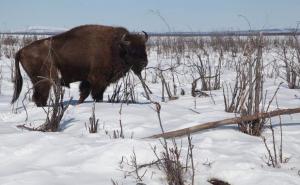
45, 29
74, 156
40, 30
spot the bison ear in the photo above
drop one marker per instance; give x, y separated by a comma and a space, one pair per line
124, 40
124, 45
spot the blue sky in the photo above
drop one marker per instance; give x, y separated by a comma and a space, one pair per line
136, 15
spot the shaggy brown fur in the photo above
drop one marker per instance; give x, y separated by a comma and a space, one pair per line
93, 54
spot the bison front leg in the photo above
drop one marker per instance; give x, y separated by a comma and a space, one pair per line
97, 93
41, 91
85, 89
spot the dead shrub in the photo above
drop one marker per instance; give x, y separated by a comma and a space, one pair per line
248, 89
215, 181
92, 126
169, 161
124, 91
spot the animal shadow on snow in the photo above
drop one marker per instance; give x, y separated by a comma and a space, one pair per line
66, 124
75, 102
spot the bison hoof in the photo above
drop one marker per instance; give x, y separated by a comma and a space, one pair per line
41, 104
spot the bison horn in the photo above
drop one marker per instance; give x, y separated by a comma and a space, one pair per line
146, 36
124, 41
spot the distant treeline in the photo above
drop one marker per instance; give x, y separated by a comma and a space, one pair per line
225, 33
270, 32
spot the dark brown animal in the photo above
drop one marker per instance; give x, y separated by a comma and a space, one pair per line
93, 54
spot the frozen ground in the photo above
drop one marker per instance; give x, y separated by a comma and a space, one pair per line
74, 156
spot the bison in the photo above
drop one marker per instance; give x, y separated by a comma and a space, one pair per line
95, 55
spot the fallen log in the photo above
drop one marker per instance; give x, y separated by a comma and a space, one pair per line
229, 121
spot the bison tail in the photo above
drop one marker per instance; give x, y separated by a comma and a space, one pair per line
18, 80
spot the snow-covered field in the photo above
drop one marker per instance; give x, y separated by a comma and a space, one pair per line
74, 156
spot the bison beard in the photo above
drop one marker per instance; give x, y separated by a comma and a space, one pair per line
93, 54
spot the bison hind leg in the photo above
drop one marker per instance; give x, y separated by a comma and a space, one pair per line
84, 89
41, 93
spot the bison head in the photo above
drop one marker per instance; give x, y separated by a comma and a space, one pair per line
133, 51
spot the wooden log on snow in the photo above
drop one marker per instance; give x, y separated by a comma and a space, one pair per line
229, 121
